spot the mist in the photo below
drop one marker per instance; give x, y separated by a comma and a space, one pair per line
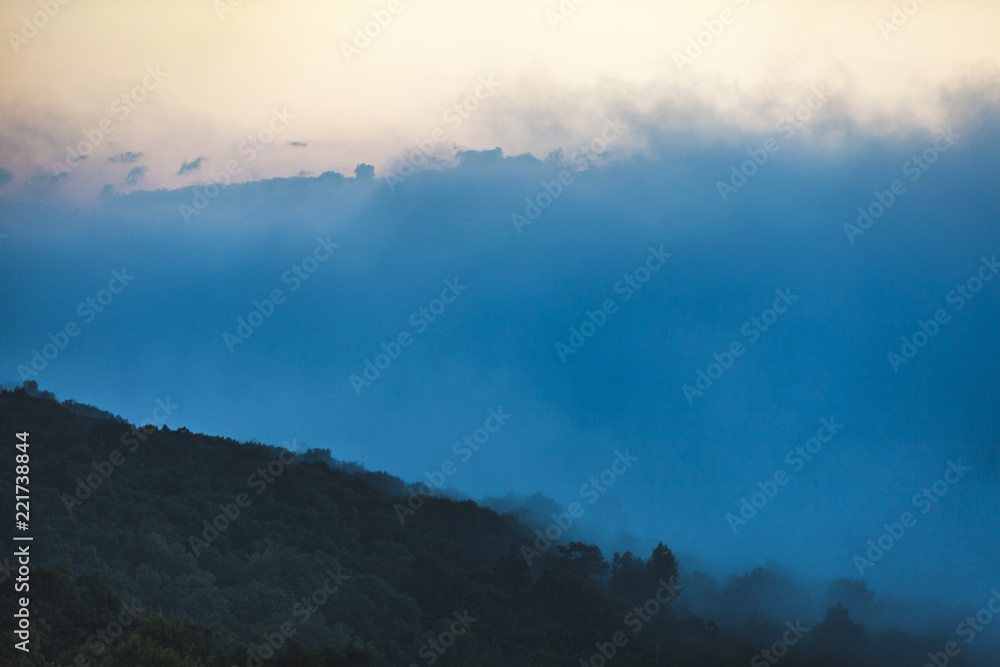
430, 301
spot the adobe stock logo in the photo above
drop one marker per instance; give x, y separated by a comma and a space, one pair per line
433, 649
420, 320
915, 167
779, 649
87, 309
753, 329
463, 449
796, 459
29, 29
363, 36
758, 157
231, 512
697, 45
294, 276
923, 501
248, 150
593, 490
899, 17
926, 330
627, 287
562, 13
590, 155
121, 107
455, 116
635, 620
88, 485
968, 630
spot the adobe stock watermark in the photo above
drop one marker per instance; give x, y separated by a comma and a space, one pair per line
758, 157
248, 150
899, 17
968, 630
552, 190
627, 287
293, 277
463, 448
796, 459
420, 320
958, 298
223, 7
779, 649
923, 501
562, 12
29, 28
637, 619
697, 44
121, 108
230, 513
753, 329
915, 167
301, 612
432, 650
99, 642
455, 117
591, 491
87, 310
365, 34
86, 486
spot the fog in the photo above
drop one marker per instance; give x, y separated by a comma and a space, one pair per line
908, 440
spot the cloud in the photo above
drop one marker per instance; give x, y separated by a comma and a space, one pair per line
193, 165
297, 143
5, 177
622, 386
135, 175
127, 157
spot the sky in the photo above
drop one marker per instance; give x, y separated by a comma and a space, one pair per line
221, 68
590, 207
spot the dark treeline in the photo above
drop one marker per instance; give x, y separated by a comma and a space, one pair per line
155, 546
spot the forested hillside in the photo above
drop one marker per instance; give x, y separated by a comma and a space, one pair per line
155, 546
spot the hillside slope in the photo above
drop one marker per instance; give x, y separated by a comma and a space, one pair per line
155, 546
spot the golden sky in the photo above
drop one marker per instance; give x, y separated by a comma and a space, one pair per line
227, 65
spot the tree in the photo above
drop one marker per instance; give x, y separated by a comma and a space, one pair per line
580, 558
662, 564
837, 640
628, 577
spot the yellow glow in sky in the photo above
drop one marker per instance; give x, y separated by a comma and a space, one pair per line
560, 69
